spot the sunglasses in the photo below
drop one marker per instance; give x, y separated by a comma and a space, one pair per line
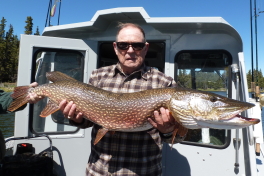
125, 45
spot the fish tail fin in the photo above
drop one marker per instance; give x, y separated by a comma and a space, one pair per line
20, 97
19, 91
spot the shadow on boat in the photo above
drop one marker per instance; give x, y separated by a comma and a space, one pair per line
174, 162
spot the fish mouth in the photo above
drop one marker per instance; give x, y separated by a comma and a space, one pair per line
251, 120
236, 117
244, 120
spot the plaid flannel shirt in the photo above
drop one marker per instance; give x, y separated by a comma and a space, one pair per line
127, 153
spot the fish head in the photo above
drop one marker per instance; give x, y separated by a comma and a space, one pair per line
198, 109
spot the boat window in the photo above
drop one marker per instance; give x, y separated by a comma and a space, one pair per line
155, 56
206, 71
65, 61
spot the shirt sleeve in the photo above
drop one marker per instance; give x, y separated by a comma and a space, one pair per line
5, 101
93, 80
85, 123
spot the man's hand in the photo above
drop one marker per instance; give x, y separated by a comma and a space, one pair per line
164, 121
32, 97
69, 111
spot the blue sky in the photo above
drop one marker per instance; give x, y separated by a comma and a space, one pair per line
235, 12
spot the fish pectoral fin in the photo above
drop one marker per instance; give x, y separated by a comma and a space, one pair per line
182, 131
100, 134
50, 108
179, 130
174, 134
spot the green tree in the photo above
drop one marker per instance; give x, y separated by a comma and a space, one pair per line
2, 40
13, 56
9, 61
2, 28
37, 31
249, 79
258, 78
184, 78
29, 25
218, 84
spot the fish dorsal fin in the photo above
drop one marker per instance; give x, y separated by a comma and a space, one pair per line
100, 134
58, 76
50, 108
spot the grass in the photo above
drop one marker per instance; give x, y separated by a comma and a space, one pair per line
7, 87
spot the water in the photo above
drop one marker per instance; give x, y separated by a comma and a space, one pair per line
7, 120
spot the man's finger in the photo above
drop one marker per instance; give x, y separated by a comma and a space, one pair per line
62, 104
32, 98
67, 108
158, 117
154, 124
72, 111
34, 84
163, 114
79, 116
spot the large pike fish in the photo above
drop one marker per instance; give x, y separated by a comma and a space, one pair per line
129, 112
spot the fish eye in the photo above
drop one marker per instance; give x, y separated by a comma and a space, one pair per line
213, 99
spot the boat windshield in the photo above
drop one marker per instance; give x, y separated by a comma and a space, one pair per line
66, 61
206, 71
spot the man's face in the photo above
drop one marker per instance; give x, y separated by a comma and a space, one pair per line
130, 59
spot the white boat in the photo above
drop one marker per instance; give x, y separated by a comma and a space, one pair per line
207, 49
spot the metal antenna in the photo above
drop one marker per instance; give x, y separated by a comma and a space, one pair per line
59, 13
48, 14
252, 60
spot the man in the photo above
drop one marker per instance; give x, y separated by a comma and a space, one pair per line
5, 101
124, 153
127, 153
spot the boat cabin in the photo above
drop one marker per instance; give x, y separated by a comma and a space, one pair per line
203, 53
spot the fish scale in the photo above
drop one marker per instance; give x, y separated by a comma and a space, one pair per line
134, 108
129, 112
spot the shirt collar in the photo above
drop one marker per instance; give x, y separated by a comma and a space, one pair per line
144, 70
